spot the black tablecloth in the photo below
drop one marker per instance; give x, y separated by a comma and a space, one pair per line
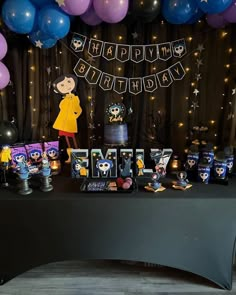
192, 230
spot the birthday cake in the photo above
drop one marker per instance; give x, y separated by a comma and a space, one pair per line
115, 130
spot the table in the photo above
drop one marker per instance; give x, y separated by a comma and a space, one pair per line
192, 230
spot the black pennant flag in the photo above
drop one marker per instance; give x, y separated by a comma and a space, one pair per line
151, 53
164, 50
120, 85
77, 42
150, 83
177, 71
95, 47
135, 85
164, 78
93, 75
81, 68
179, 48
137, 53
109, 51
123, 52
106, 81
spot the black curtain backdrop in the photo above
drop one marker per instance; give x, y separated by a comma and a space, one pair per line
164, 118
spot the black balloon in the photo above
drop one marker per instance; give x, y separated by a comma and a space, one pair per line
8, 133
147, 10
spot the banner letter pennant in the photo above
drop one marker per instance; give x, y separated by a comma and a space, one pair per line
151, 53
106, 81
137, 53
135, 85
177, 71
81, 68
109, 51
93, 75
150, 83
120, 85
95, 47
164, 50
123, 52
179, 48
78, 42
164, 78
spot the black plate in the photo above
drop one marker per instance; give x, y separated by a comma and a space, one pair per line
103, 186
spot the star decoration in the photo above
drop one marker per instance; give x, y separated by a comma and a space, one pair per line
198, 77
199, 62
233, 91
90, 59
38, 43
200, 47
196, 91
60, 2
195, 104
91, 126
135, 35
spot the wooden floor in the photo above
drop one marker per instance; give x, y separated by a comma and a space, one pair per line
108, 278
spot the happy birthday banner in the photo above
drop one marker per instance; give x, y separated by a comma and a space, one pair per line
134, 85
124, 52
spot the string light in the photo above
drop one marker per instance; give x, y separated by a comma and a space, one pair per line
196, 53
34, 109
192, 84
30, 97
32, 68
187, 69
30, 51
190, 39
119, 69
152, 97
154, 37
230, 50
227, 66
95, 36
212, 122
120, 37
187, 98
190, 112
226, 80
89, 97
224, 34
180, 124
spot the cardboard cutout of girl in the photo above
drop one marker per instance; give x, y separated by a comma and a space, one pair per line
70, 109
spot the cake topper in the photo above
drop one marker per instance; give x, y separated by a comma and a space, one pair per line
116, 112
155, 185
182, 183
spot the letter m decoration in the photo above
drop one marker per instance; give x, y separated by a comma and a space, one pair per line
96, 155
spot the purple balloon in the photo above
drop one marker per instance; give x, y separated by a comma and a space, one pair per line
4, 76
75, 7
90, 17
230, 13
3, 46
111, 11
216, 20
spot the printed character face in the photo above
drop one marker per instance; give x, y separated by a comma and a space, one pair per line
77, 43
230, 165
191, 162
182, 175
115, 110
19, 158
204, 176
78, 166
220, 171
35, 154
179, 49
155, 176
104, 165
52, 153
66, 86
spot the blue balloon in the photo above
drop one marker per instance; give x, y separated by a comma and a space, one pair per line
198, 15
40, 3
179, 11
53, 22
214, 6
19, 16
41, 40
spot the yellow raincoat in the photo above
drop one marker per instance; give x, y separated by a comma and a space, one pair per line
70, 110
5, 155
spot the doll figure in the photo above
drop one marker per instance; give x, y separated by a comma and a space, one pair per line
182, 183
155, 185
70, 110
140, 164
5, 156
